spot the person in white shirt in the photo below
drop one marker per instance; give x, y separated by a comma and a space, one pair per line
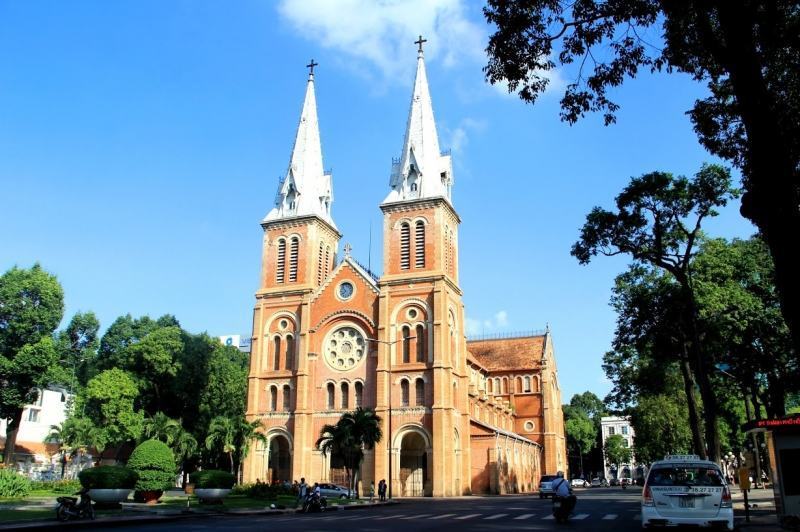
560, 485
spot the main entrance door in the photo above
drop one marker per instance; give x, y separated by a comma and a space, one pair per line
413, 465
280, 460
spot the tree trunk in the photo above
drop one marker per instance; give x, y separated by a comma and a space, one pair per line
12, 429
230, 457
691, 402
710, 407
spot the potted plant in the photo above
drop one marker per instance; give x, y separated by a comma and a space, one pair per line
211, 486
108, 485
154, 462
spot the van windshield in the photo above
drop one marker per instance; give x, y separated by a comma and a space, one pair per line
679, 475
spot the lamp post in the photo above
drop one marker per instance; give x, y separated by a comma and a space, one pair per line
389, 361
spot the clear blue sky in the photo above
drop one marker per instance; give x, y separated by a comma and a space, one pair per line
141, 144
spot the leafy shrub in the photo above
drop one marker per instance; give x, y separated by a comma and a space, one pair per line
56, 486
108, 477
13, 485
262, 491
212, 479
154, 462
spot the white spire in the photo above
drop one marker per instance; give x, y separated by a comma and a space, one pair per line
306, 190
422, 171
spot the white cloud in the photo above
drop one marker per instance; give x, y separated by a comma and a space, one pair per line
556, 83
380, 33
487, 326
459, 137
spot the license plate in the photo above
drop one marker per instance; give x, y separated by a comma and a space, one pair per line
556, 504
686, 502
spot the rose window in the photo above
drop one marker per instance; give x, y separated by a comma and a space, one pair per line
345, 348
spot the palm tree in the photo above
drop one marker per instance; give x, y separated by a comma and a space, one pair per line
161, 427
247, 433
184, 446
222, 433
353, 433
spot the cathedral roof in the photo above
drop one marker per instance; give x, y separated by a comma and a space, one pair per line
422, 170
306, 189
508, 354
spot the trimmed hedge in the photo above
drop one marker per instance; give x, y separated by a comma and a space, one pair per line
57, 486
13, 484
108, 477
212, 479
154, 462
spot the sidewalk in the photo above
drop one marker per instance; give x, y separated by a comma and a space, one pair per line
154, 515
762, 510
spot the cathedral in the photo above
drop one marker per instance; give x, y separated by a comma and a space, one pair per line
458, 417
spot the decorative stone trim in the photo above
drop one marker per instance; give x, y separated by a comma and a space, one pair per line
350, 313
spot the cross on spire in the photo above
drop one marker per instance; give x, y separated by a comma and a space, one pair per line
311, 66
420, 42
347, 249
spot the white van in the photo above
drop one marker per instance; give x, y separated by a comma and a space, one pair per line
685, 490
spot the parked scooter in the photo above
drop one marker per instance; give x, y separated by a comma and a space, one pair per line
70, 508
314, 503
562, 507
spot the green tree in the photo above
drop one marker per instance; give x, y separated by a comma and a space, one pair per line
31, 307
581, 434
745, 51
349, 437
658, 222
110, 402
161, 427
661, 425
77, 347
616, 452
234, 436
155, 362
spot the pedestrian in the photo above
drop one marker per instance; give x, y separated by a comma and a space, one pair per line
382, 490
371, 490
302, 491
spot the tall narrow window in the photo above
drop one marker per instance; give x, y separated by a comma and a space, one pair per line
273, 398
287, 398
280, 267
320, 263
327, 260
406, 344
527, 385
405, 246
419, 245
331, 393
289, 352
420, 343
420, 389
345, 395
293, 253
404, 393
277, 353
359, 394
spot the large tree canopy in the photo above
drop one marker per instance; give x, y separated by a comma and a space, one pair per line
746, 51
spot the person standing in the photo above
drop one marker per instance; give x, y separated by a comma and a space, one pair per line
371, 490
301, 492
382, 490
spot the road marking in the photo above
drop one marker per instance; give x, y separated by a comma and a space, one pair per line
361, 517
390, 517
549, 517
580, 516
610, 516
518, 508
495, 516
468, 516
524, 516
443, 516
420, 516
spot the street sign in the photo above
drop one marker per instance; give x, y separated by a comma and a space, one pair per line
744, 478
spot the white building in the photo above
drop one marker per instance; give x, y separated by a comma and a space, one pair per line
32, 454
618, 425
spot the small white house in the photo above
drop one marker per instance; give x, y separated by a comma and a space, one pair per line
618, 425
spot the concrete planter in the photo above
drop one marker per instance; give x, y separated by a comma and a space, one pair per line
211, 494
109, 496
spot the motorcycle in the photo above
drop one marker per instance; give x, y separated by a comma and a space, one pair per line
562, 507
70, 508
314, 503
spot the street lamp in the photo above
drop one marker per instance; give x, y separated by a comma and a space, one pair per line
389, 359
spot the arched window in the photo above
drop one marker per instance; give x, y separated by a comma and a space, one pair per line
345, 395
406, 344
359, 394
489, 385
505, 385
280, 265
405, 246
293, 254
518, 385
527, 385
420, 343
287, 398
404, 393
273, 398
420, 392
277, 353
289, 352
331, 393
419, 245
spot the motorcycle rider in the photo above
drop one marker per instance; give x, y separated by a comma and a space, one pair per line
562, 490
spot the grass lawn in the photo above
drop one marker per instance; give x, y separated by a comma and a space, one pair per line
7, 516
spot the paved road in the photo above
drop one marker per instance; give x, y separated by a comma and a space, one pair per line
597, 509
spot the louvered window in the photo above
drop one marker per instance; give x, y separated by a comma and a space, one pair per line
273, 398
405, 246
280, 267
320, 263
404, 393
287, 398
327, 260
419, 241
293, 252
420, 389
